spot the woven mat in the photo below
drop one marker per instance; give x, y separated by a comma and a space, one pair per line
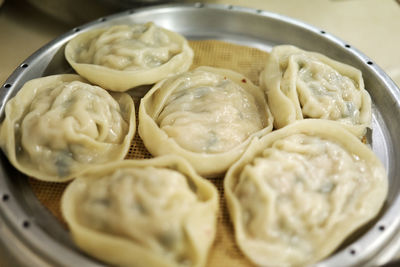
249, 62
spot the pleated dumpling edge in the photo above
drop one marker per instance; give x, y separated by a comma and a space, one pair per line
300, 84
152, 212
207, 115
58, 126
121, 57
296, 194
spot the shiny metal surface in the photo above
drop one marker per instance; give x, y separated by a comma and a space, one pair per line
33, 236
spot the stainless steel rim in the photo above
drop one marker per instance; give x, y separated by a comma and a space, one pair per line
34, 237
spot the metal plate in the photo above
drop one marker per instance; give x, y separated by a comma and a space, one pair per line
32, 236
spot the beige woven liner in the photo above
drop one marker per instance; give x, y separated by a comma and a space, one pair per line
246, 60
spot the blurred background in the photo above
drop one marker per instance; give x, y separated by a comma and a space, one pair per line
372, 26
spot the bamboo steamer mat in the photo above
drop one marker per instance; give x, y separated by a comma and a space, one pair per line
245, 60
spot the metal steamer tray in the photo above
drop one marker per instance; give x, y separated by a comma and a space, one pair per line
30, 235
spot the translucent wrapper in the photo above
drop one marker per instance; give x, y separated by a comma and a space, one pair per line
296, 194
155, 212
121, 57
208, 116
58, 126
301, 84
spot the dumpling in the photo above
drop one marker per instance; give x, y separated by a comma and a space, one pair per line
207, 116
155, 212
298, 192
301, 84
121, 57
58, 126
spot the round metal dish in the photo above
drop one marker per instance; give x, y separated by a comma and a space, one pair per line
30, 235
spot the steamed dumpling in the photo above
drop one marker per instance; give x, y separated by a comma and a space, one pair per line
155, 212
121, 57
301, 84
58, 126
207, 116
296, 194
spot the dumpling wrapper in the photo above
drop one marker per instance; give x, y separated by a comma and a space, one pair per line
299, 192
301, 84
58, 126
121, 57
207, 116
155, 212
